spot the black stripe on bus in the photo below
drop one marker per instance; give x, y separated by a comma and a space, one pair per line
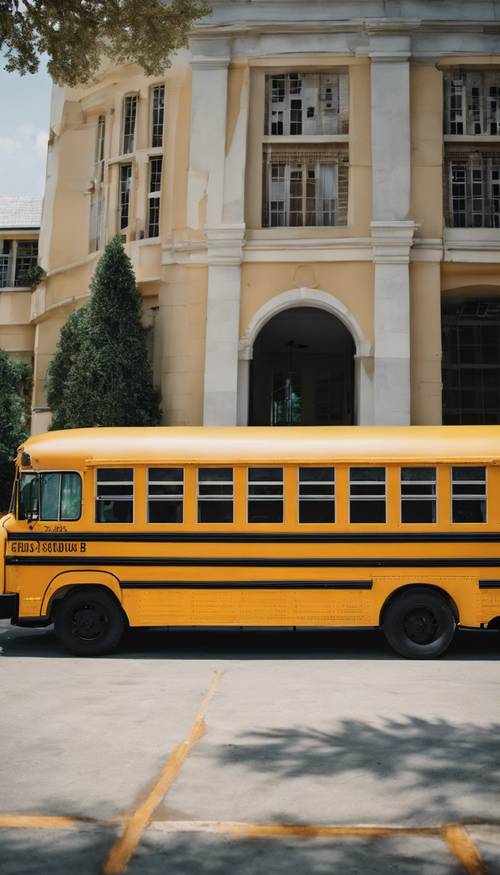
489, 584
245, 584
132, 561
261, 537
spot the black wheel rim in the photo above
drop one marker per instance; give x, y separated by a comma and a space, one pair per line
421, 626
89, 621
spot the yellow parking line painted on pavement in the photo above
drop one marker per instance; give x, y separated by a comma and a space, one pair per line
40, 821
463, 848
283, 830
123, 849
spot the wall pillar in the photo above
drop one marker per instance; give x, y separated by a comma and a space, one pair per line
216, 203
392, 227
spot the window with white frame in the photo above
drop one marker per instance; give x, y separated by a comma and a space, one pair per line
473, 180
472, 148
299, 104
154, 194
96, 234
128, 123
306, 149
304, 188
472, 102
215, 495
124, 195
17, 257
165, 495
157, 115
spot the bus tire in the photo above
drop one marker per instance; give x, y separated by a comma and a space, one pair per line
419, 623
89, 621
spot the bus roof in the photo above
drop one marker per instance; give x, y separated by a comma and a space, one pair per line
79, 448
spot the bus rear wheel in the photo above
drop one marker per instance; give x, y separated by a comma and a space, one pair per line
419, 624
89, 622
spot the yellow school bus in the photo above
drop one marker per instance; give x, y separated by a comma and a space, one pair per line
397, 528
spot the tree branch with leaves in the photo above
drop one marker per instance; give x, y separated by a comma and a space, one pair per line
77, 34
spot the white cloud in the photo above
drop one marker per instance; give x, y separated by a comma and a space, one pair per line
22, 160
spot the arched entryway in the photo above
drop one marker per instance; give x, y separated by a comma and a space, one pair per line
471, 360
302, 371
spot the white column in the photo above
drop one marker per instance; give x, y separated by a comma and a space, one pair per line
216, 190
392, 227
223, 322
209, 64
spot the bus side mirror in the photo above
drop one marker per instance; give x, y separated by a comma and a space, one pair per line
32, 515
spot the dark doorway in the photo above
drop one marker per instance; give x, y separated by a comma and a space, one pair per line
302, 371
471, 361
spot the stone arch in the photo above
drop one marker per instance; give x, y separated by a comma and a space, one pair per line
308, 297
303, 297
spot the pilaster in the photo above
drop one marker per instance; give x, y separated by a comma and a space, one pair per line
220, 405
392, 228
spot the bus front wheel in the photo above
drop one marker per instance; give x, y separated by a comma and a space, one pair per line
419, 623
89, 622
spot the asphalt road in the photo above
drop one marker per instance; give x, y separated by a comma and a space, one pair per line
219, 752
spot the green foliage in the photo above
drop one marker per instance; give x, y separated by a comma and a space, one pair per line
101, 374
76, 34
61, 366
32, 276
13, 378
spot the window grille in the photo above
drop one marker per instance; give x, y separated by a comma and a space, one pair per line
115, 495
129, 119
473, 189
165, 495
157, 115
124, 200
418, 495
215, 495
26, 259
96, 236
155, 166
367, 495
316, 495
471, 361
265, 495
301, 104
468, 494
305, 188
472, 102
5, 263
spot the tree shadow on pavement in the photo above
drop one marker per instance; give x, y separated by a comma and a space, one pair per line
433, 770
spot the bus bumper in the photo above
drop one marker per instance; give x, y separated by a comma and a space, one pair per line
9, 606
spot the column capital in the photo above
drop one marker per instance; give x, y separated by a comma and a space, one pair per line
389, 47
392, 241
225, 244
210, 54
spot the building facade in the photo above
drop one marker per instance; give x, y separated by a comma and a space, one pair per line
310, 197
19, 231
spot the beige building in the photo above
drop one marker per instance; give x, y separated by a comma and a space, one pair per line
310, 197
19, 230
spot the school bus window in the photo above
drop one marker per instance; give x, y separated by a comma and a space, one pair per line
28, 495
468, 492
367, 495
165, 495
215, 495
317, 495
52, 495
265, 495
418, 495
115, 495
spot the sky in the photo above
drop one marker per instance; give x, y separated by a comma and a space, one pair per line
24, 129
